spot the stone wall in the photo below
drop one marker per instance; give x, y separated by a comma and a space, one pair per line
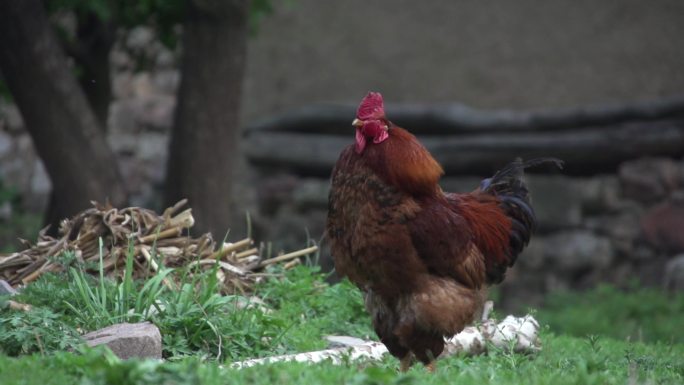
619, 228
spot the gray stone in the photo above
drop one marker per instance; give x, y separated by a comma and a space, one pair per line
674, 274
648, 180
5, 143
141, 160
126, 340
6, 288
123, 118
15, 169
120, 60
139, 38
5, 211
311, 194
623, 229
290, 230
600, 194
165, 58
577, 250
150, 146
166, 82
642, 252
156, 112
40, 180
557, 200
122, 86
533, 255
11, 118
139, 114
663, 226
274, 192
142, 84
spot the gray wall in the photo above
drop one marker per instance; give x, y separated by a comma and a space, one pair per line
491, 54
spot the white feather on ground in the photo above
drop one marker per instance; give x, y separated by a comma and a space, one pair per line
519, 334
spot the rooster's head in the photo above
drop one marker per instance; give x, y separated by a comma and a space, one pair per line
370, 122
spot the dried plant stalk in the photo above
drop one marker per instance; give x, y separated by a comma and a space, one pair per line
288, 256
224, 265
14, 305
247, 253
168, 233
149, 234
227, 249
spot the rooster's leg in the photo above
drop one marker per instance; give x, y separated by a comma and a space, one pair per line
406, 362
430, 367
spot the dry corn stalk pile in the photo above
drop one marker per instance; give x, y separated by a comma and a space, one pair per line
154, 239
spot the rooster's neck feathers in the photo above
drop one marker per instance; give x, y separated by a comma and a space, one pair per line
404, 163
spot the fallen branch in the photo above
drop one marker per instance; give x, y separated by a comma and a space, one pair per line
519, 334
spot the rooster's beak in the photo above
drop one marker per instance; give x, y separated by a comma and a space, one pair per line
357, 123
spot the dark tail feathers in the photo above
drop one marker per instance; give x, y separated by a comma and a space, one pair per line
508, 185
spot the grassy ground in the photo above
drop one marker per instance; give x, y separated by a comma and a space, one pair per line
604, 336
564, 360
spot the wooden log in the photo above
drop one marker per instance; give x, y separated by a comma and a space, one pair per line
453, 119
586, 151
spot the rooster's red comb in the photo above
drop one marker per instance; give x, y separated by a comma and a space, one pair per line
371, 107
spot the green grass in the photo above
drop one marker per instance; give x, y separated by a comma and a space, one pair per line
603, 336
194, 319
564, 360
40, 330
637, 314
312, 309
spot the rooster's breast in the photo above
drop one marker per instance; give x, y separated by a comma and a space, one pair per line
367, 228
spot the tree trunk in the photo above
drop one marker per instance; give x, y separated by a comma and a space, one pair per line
94, 41
64, 129
205, 132
90, 50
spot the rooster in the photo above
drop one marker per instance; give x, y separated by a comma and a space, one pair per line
423, 257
